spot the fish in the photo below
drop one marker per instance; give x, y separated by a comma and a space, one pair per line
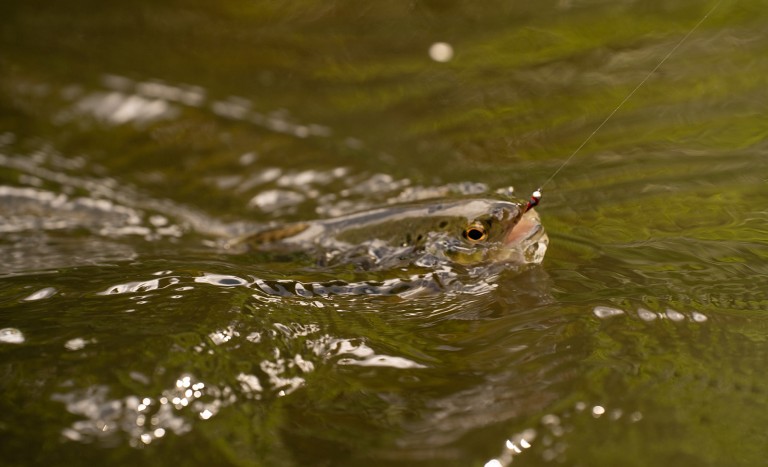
468, 232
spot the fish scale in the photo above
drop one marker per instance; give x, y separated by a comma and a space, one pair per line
426, 234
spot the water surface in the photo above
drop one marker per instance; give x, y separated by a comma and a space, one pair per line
134, 137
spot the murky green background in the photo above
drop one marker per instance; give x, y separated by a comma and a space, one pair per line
134, 134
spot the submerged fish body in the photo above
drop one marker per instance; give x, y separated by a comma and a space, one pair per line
466, 231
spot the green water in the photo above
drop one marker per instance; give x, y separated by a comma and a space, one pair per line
133, 136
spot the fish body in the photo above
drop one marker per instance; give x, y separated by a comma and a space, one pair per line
463, 231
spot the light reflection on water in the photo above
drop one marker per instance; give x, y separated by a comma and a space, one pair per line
145, 418
142, 419
11, 336
548, 433
143, 102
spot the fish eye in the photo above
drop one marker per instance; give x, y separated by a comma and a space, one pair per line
475, 232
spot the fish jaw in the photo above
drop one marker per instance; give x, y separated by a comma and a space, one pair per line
526, 241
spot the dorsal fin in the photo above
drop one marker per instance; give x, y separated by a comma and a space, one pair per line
271, 235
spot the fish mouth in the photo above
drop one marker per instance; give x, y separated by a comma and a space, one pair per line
527, 237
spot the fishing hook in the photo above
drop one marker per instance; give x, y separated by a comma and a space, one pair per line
535, 198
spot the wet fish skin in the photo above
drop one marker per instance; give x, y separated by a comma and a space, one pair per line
407, 233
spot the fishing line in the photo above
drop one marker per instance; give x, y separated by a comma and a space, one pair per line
536, 195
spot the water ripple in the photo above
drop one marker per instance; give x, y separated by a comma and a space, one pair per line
143, 418
545, 439
11, 336
221, 280
141, 286
41, 294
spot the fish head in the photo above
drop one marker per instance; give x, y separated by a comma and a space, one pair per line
495, 231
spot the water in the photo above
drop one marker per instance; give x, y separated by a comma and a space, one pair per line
133, 138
